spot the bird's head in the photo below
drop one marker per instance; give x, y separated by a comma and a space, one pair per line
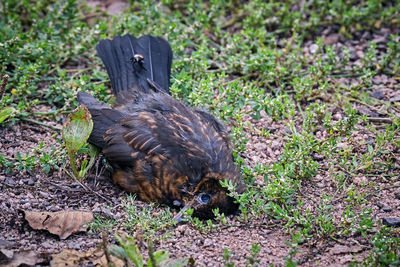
209, 194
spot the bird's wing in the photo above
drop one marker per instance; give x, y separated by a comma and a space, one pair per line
192, 141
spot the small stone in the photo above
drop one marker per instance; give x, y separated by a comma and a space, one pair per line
396, 98
207, 242
260, 146
54, 208
377, 94
379, 205
397, 194
331, 39
30, 182
10, 181
387, 209
313, 48
5, 244
263, 114
276, 145
44, 194
360, 54
395, 222
270, 130
337, 116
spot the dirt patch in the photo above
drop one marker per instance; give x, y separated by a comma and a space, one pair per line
37, 191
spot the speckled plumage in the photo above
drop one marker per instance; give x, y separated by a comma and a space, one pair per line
161, 149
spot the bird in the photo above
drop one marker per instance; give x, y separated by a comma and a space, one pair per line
160, 148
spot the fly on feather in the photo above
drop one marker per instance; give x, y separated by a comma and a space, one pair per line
137, 59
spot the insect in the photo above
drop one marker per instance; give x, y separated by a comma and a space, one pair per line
137, 60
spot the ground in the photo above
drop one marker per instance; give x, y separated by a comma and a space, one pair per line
313, 113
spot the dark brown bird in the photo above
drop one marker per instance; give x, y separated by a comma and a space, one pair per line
160, 148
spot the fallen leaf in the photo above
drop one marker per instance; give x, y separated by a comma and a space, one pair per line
62, 223
75, 258
25, 258
5, 255
77, 128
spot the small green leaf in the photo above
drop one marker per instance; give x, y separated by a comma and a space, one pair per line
76, 130
6, 112
159, 256
118, 252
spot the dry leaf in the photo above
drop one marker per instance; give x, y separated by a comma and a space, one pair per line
62, 223
75, 258
25, 258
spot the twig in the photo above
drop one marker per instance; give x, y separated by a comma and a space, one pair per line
91, 190
337, 240
4, 82
233, 20
378, 119
346, 75
367, 105
40, 123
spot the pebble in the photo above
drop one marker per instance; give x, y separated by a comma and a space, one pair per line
313, 48
30, 182
397, 194
44, 194
391, 221
276, 145
387, 209
207, 242
10, 181
377, 94
54, 208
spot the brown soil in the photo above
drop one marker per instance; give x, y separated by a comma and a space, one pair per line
37, 191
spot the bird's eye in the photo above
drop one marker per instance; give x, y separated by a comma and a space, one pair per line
204, 198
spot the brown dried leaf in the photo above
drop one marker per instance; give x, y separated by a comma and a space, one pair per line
25, 258
62, 223
75, 258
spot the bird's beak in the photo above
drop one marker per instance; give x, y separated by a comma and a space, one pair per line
179, 216
192, 203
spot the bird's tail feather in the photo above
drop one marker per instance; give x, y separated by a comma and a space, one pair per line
156, 64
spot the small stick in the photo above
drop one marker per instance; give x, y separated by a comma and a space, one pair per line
379, 119
41, 123
4, 82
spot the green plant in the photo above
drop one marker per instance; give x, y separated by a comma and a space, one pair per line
76, 131
386, 249
130, 253
146, 218
255, 253
227, 256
